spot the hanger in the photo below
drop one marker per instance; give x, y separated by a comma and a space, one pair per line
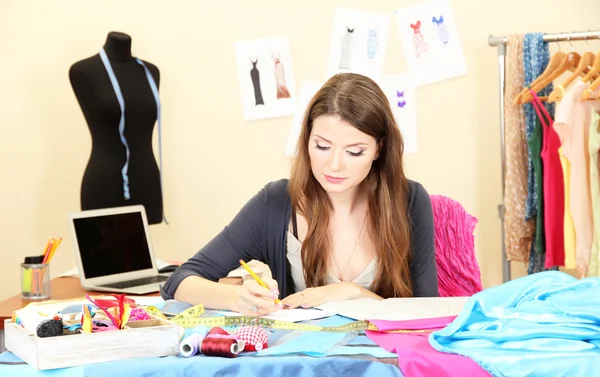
569, 63
589, 92
592, 75
555, 61
582, 68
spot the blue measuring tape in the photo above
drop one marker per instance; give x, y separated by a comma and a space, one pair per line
117, 89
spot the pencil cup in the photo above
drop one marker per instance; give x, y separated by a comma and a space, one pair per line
35, 281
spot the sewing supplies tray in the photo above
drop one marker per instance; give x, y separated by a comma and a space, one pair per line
154, 337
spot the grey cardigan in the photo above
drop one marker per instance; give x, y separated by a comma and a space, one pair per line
259, 232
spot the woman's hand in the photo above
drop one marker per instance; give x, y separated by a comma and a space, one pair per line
311, 297
254, 299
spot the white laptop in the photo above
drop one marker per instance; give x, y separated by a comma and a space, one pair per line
113, 250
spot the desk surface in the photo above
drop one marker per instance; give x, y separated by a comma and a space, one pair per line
64, 288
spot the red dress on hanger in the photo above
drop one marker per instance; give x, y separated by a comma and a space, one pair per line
554, 190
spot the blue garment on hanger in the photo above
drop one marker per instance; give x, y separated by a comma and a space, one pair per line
119, 94
546, 324
536, 56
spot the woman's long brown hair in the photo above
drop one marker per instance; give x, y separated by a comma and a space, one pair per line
359, 101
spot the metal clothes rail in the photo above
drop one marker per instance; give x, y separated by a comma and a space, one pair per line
500, 43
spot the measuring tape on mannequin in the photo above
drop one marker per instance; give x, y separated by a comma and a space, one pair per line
190, 318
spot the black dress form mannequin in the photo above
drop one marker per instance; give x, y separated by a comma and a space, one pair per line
103, 181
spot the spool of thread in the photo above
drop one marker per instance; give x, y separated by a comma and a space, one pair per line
49, 328
219, 342
190, 346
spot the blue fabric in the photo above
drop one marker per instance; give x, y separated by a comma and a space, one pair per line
286, 354
320, 344
536, 56
545, 324
300, 366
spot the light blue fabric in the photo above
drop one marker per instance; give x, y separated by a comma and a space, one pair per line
545, 324
13, 366
309, 343
297, 366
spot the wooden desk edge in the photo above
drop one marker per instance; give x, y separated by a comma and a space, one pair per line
64, 288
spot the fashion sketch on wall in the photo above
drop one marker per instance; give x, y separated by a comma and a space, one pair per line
430, 40
266, 78
255, 76
358, 42
346, 49
402, 96
282, 90
442, 29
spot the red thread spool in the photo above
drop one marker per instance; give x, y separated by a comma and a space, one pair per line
219, 342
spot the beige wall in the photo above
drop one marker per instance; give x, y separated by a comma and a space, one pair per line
213, 160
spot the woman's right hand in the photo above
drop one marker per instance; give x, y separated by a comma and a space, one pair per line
256, 300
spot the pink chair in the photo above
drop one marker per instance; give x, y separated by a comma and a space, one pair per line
458, 270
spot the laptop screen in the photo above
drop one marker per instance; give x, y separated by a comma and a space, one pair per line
112, 244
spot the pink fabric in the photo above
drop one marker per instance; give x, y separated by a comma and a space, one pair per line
458, 270
413, 324
416, 357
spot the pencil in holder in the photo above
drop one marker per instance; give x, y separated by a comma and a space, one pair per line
35, 279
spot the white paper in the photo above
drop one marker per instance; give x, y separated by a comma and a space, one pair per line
397, 309
358, 42
431, 42
402, 94
307, 90
266, 77
74, 272
289, 315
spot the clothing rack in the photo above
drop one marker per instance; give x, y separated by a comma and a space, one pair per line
500, 43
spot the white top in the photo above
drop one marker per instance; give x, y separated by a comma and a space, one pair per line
294, 247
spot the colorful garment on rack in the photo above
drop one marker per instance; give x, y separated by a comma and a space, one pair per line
416, 357
572, 124
569, 228
547, 324
536, 56
537, 256
554, 191
594, 145
518, 232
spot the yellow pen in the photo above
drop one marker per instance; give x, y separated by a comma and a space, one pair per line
258, 280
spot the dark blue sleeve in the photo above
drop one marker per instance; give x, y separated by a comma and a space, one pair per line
423, 269
241, 239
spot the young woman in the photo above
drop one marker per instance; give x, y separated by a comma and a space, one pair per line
347, 224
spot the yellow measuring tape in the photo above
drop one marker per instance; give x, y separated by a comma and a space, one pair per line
191, 318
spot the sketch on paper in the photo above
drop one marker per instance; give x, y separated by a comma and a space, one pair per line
307, 92
418, 39
442, 29
282, 90
401, 93
346, 49
255, 76
358, 42
432, 48
266, 78
372, 43
401, 102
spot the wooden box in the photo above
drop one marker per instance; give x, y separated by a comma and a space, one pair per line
150, 338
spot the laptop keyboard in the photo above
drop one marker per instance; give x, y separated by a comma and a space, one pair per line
136, 282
